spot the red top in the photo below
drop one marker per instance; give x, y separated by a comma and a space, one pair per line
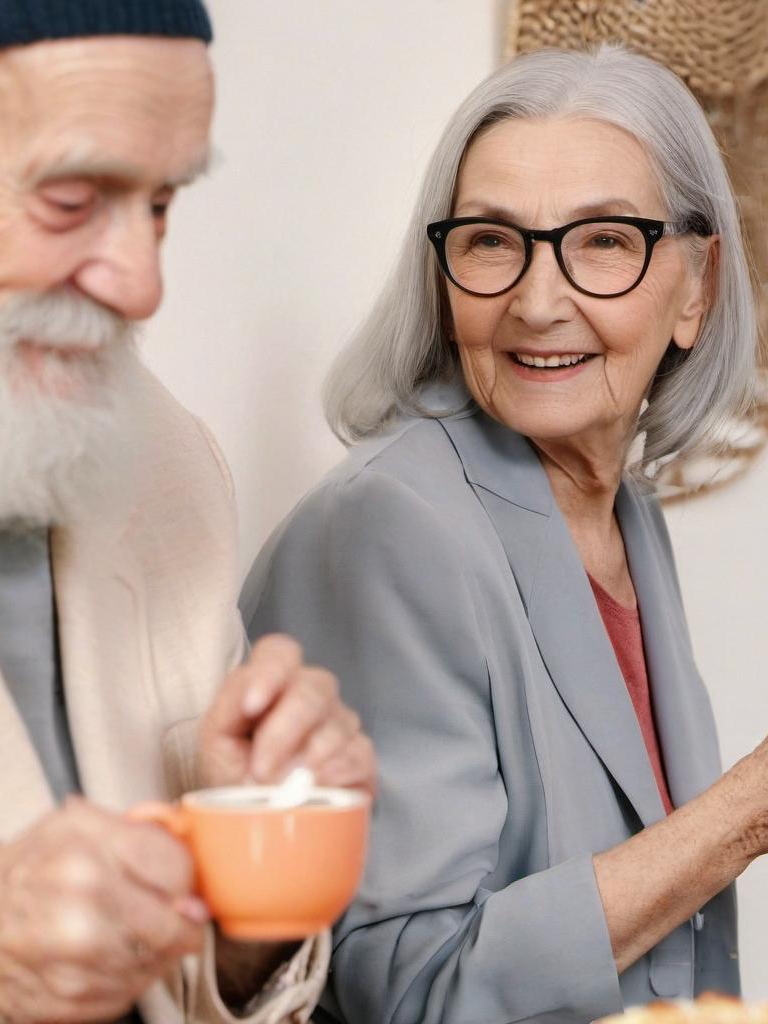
623, 627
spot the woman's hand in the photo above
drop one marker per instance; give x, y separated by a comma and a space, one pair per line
275, 713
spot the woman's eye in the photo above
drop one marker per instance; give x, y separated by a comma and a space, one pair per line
489, 242
606, 242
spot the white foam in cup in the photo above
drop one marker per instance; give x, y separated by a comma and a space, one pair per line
250, 798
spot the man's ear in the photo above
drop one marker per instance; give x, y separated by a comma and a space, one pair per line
700, 295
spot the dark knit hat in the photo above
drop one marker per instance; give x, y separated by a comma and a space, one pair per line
31, 21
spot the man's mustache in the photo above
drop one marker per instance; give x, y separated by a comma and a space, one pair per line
60, 319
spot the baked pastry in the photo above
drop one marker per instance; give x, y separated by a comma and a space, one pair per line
710, 1008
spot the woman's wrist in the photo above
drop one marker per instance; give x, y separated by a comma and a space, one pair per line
660, 877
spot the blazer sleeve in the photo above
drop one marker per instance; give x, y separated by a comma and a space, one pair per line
374, 582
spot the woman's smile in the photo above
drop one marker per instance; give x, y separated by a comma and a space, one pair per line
548, 366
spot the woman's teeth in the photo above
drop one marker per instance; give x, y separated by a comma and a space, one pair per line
550, 361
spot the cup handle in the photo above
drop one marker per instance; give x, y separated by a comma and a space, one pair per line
170, 816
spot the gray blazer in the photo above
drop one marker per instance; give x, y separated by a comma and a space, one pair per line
433, 572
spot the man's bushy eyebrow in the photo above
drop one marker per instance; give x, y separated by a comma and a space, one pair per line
119, 171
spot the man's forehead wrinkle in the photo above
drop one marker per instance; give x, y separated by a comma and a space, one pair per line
109, 56
83, 82
15, 94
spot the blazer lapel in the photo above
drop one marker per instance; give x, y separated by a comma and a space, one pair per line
510, 482
683, 713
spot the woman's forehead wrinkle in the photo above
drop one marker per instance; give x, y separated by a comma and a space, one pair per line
476, 206
558, 170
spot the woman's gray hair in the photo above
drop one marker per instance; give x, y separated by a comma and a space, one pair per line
402, 345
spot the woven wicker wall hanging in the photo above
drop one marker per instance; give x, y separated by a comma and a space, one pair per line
720, 49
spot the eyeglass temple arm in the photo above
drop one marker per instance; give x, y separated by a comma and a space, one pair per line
696, 223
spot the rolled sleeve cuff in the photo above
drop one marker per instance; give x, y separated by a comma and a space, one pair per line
550, 939
289, 997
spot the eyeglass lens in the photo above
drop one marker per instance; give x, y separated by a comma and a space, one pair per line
604, 258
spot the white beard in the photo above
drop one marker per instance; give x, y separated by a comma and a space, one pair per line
67, 421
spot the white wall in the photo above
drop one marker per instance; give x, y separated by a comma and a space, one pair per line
327, 114
721, 543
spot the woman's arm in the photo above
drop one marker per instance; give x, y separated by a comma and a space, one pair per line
657, 879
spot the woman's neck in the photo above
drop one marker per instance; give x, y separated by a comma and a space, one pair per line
584, 483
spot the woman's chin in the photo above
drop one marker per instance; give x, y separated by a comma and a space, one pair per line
555, 425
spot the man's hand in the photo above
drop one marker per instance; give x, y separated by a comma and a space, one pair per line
275, 713
93, 908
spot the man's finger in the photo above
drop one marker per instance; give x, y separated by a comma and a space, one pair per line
284, 729
354, 766
154, 859
330, 737
155, 932
273, 661
248, 691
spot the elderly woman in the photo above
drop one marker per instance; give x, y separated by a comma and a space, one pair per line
553, 839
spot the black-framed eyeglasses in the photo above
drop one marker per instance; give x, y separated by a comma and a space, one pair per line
601, 256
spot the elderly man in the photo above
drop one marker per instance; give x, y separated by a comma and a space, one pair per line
117, 568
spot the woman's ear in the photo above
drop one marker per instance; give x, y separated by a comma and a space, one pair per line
446, 317
700, 295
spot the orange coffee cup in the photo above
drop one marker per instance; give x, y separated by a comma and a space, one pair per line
270, 873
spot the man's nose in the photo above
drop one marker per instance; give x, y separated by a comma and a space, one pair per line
541, 295
122, 271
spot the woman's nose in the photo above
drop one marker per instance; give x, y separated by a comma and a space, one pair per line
542, 294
